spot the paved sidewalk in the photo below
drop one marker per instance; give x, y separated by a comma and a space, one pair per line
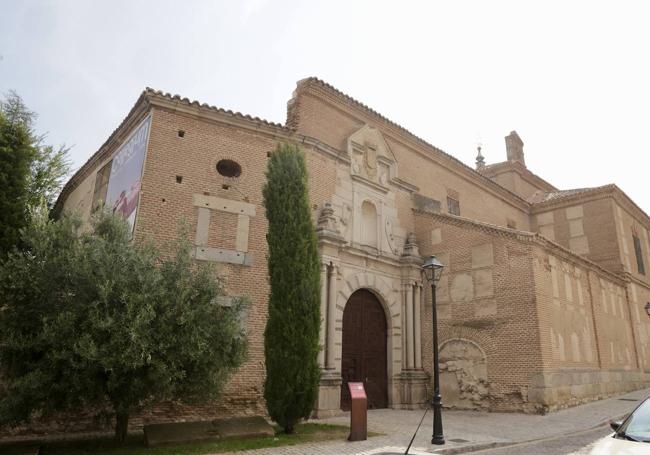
464, 430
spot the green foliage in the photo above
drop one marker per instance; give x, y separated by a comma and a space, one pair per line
16, 155
291, 335
92, 319
31, 172
49, 169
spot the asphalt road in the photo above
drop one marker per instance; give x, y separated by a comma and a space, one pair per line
576, 444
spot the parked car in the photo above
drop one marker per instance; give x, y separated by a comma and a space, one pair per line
631, 436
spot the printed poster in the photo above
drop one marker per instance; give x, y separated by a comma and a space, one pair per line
123, 191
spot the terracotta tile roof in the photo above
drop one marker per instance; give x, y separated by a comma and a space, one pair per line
521, 236
490, 170
542, 201
141, 105
319, 82
541, 196
186, 101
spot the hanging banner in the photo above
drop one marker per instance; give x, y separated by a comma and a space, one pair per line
123, 191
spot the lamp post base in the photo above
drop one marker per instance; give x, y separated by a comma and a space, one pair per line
437, 436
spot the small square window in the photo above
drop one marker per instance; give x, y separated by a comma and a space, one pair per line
453, 206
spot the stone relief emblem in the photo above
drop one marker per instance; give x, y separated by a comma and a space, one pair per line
370, 160
390, 237
346, 214
356, 169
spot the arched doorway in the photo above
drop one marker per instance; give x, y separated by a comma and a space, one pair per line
364, 349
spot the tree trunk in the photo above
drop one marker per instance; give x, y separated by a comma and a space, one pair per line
121, 426
288, 428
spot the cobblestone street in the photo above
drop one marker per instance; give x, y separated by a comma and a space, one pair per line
465, 429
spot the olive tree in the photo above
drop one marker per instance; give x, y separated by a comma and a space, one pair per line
89, 319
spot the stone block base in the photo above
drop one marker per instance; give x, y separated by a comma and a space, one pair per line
411, 390
328, 403
550, 391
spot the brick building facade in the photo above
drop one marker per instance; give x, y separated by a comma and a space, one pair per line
542, 301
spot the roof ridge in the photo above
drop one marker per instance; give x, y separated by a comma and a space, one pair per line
58, 205
551, 196
376, 113
522, 236
314, 80
517, 167
516, 233
196, 103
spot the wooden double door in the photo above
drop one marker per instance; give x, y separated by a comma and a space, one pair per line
364, 349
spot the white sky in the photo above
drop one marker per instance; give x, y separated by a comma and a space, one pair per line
573, 78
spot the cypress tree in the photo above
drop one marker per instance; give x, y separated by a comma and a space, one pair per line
291, 335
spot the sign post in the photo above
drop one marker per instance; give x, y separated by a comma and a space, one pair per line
358, 412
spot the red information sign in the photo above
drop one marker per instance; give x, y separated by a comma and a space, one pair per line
357, 390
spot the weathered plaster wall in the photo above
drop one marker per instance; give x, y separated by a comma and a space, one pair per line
587, 327
482, 308
586, 228
628, 225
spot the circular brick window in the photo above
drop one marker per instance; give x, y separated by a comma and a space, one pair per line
229, 168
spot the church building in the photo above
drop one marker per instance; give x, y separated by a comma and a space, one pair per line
544, 298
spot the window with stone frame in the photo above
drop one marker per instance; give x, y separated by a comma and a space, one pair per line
453, 206
101, 185
639, 255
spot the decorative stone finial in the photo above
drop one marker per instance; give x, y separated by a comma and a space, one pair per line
326, 219
411, 246
327, 226
480, 160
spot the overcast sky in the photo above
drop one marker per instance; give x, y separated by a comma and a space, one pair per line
572, 78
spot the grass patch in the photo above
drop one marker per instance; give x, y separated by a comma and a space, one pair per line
306, 432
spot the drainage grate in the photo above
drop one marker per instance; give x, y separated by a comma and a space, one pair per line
627, 399
458, 440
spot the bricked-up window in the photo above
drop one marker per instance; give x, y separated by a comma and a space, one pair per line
639, 255
453, 206
101, 185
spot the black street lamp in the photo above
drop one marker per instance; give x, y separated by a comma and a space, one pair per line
432, 269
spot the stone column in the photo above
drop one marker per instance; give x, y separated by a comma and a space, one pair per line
409, 326
418, 327
331, 317
323, 315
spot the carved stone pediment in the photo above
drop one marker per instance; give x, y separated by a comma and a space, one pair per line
372, 161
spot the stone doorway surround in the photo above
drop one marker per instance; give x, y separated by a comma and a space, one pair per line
364, 245
329, 399
406, 380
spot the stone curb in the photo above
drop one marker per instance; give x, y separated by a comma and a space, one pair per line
471, 448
